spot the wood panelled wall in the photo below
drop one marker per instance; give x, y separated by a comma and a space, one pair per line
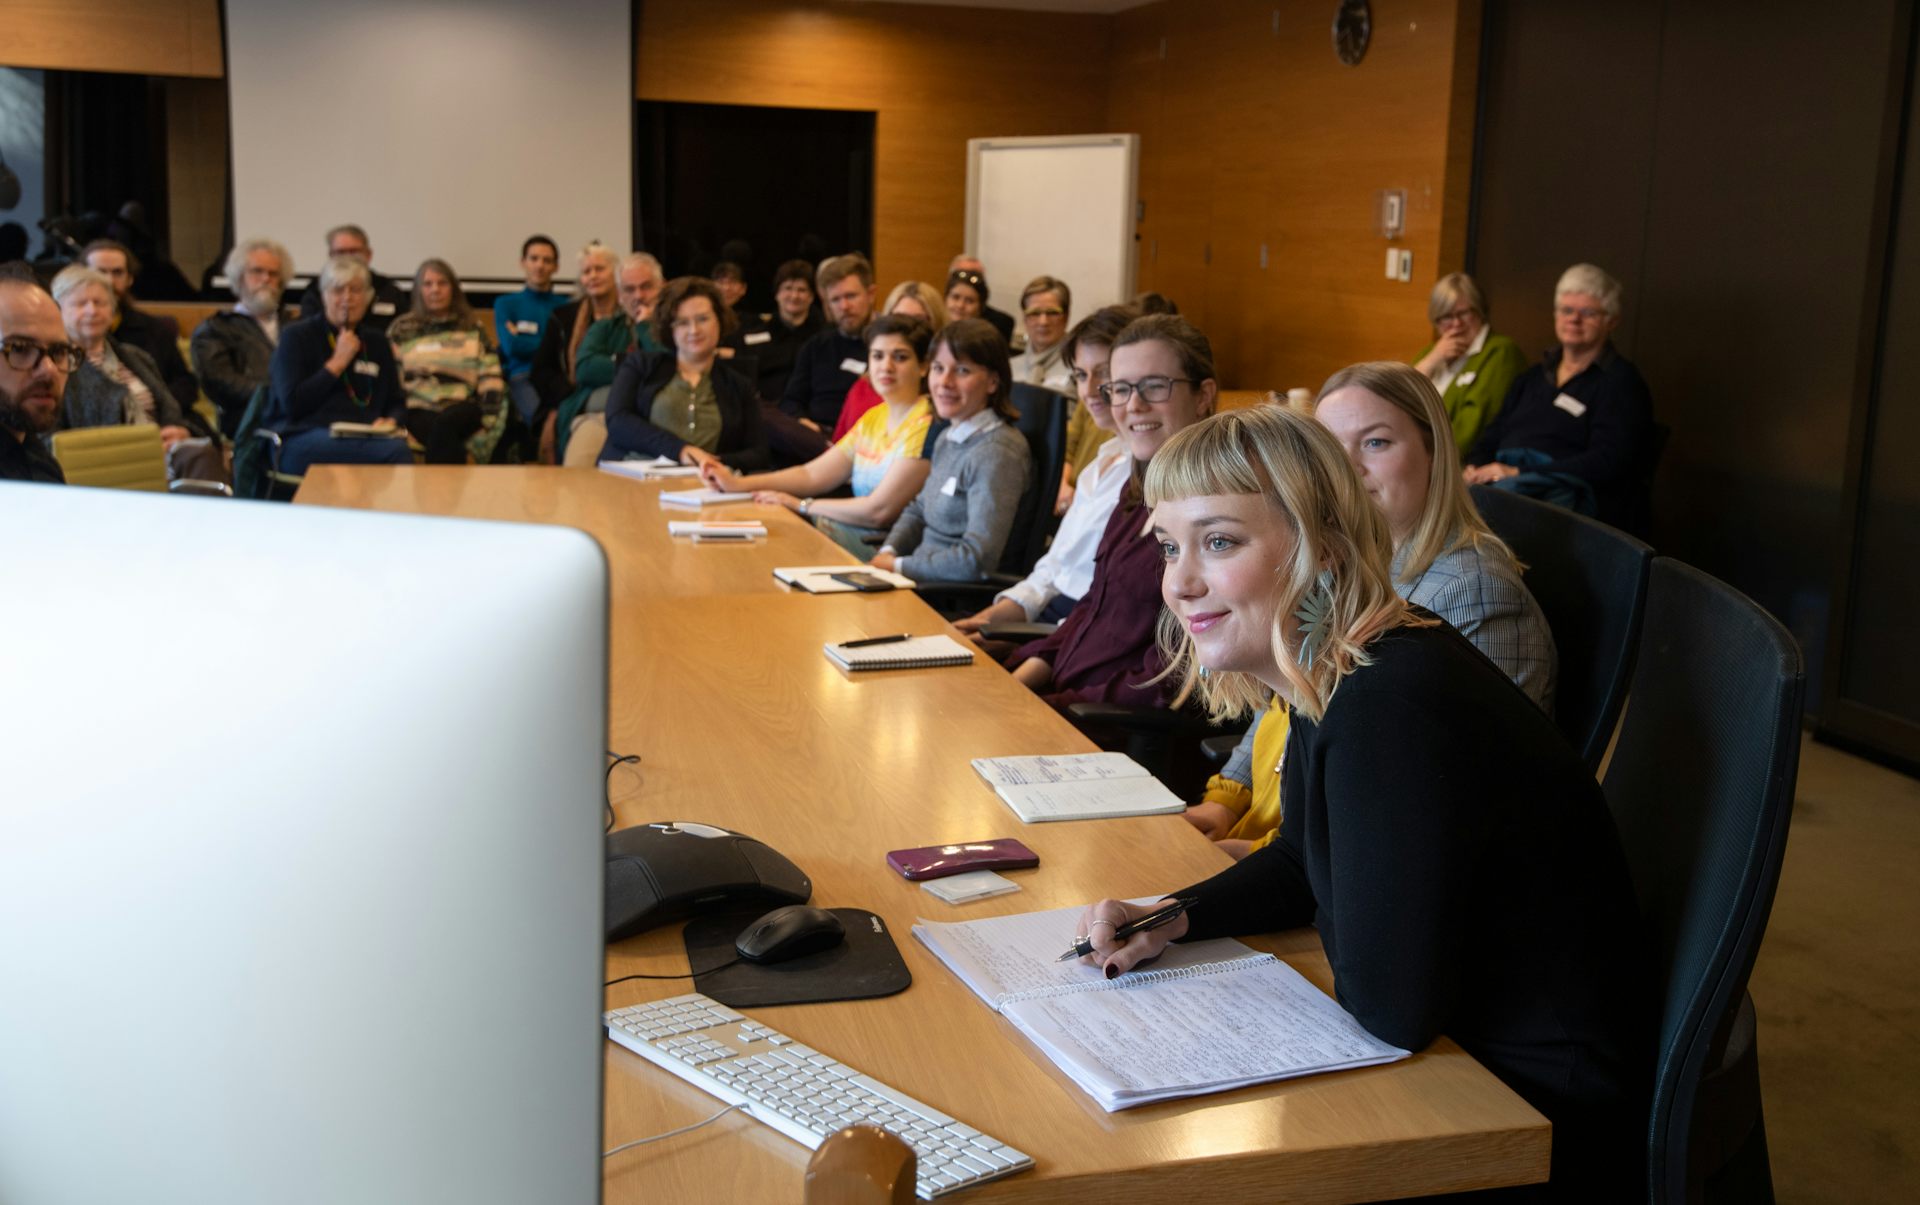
145, 37
1253, 133
934, 77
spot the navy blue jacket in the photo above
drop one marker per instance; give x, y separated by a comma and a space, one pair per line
306, 395
630, 427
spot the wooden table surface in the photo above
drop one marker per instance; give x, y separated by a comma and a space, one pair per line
719, 683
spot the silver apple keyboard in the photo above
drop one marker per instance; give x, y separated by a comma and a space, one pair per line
802, 1093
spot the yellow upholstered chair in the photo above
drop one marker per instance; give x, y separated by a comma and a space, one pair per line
127, 458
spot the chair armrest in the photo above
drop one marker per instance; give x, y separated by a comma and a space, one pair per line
1019, 633
1217, 749
200, 487
956, 597
1140, 719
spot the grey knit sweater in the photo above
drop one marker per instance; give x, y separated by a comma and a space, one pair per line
956, 527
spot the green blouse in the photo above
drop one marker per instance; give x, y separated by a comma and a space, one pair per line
1474, 395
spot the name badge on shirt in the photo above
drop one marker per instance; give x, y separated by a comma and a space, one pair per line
754, 337
526, 327
1465, 378
383, 308
1572, 405
856, 367
366, 368
950, 488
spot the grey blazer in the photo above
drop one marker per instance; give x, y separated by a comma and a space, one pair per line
95, 400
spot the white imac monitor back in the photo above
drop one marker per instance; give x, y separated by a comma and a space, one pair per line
300, 854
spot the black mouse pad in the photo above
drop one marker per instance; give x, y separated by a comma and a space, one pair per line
866, 965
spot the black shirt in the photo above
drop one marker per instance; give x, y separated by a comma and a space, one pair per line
1607, 444
818, 387
1463, 870
148, 334
773, 347
28, 460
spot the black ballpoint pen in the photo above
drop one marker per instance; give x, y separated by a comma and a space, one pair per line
860, 644
1140, 924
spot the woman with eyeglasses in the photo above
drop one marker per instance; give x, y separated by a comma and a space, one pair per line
1160, 383
1470, 365
1576, 430
336, 368
1046, 305
1456, 857
956, 527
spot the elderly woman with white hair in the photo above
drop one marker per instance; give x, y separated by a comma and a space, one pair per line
335, 368
1577, 429
233, 350
118, 384
1470, 365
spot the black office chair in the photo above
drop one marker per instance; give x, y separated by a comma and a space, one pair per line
1591, 583
1043, 420
1701, 787
256, 455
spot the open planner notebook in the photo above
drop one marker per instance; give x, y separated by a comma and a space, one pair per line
1206, 1017
1077, 786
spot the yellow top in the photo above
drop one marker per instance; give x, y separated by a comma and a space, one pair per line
1258, 807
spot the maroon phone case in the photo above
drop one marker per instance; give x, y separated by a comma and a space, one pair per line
938, 861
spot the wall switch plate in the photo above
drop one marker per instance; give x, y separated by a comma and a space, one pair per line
1406, 267
1393, 263
1263, 255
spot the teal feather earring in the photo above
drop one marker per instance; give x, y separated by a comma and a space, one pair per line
1314, 613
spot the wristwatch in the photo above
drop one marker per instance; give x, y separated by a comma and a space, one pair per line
806, 505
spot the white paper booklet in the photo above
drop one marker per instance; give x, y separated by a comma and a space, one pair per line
695, 499
716, 527
1077, 786
818, 579
658, 469
1205, 1017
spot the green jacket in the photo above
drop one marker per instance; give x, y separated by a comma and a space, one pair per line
1474, 396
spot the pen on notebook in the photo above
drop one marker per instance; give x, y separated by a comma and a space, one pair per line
1083, 945
860, 644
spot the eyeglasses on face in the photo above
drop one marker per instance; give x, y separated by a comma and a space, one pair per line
1585, 313
1046, 311
1152, 390
24, 355
1457, 316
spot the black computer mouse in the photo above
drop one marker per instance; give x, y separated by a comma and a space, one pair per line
790, 932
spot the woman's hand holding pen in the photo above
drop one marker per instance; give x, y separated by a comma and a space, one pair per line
717, 476
1100, 921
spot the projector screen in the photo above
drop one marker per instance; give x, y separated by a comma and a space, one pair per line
445, 129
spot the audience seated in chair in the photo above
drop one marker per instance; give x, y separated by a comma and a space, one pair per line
554, 373
880, 457
520, 322
1061, 577
335, 368
911, 299
133, 325
774, 340
1462, 885
1162, 382
119, 384
233, 350
1576, 429
972, 300
1389, 419
1046, 308
958, 524
35, 361
456, 400
1470, 365
687, 404
827, 365
386, 301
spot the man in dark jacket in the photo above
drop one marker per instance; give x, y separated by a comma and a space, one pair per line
388, 300
232, 351
159, 339
35, 358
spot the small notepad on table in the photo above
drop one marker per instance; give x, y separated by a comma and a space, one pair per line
749, 528
658, 469
1077, 786
917, 652
695, 499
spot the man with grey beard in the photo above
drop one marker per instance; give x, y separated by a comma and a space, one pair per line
35, 358
232, 351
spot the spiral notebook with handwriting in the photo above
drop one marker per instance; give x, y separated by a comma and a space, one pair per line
916, 652
1205, 1017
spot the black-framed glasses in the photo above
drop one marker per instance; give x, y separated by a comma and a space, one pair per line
1152, 390
24, 355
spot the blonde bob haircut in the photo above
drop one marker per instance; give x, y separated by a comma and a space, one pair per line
927, 295
1300, 469
1448, 518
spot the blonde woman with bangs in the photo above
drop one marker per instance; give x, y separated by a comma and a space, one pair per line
1454, 853
1390, 420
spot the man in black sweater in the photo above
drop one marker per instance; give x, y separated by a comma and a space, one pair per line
161, 340
35, 358
388, 299
828, 364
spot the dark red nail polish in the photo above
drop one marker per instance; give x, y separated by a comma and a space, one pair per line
1112, 970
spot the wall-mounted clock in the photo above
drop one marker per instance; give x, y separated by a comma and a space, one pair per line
1352, 30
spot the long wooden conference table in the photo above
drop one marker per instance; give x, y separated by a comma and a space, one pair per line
719, 684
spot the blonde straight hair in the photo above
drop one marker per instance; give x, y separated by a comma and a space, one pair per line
583, 317
1448, 518
1300, 469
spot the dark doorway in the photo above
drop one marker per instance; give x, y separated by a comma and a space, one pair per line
755, 185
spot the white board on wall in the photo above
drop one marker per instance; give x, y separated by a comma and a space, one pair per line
1055, 206
450, 130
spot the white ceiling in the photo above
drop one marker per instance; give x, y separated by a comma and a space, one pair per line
1046, 6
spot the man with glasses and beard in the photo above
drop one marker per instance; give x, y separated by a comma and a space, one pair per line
35, 359
233, 350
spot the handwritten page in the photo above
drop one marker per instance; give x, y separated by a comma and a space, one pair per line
1093, 799
1002, 957
1067, 767
1196, 1031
